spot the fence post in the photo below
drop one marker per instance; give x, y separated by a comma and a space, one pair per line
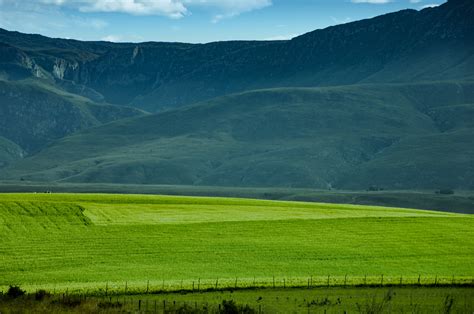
217, 282
365, 280
235, 282
273, 281
106, 288
284, 283
328, 280
419, 282
139, 304
199, 284
147, 286
381, 283
345, 280
164, 305
193, 286
126, 283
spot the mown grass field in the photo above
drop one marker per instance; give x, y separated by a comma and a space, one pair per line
92, 242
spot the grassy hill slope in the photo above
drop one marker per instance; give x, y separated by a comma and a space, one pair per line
34, 112
84, 241
352, 136
9, 152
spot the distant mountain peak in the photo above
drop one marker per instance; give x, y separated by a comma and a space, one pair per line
154, 76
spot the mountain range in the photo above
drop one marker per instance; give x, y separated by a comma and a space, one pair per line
386, 102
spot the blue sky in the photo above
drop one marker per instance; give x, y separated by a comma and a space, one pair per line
189, 20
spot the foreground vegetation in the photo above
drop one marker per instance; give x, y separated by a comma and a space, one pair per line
79, 243
332, 300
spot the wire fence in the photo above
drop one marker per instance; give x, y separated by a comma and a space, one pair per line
220, 284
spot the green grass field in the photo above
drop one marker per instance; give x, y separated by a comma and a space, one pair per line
319, 300
460, 202
80, 242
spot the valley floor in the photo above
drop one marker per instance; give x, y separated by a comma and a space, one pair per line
91, 242
459, 202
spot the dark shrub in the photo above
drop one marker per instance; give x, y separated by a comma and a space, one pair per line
40, 295
68, 301
186, 309
109, 305
15, 292
230, 307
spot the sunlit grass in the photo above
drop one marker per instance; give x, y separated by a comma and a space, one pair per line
61, 240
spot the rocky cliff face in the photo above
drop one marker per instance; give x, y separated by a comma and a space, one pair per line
436, 43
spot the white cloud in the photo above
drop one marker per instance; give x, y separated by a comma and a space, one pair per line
415, 1
34, 17
433, 5
112, 38
122, 38
372, 1
57, 2
232, 8
282, 37
170, 8
341, 21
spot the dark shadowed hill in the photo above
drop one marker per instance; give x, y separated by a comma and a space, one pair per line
34, 113
390, 136
9, 152
407, 46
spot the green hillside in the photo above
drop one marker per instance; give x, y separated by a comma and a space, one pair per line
84, 241
381, 103
441, 160
35, 112
352, 136
9, 152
